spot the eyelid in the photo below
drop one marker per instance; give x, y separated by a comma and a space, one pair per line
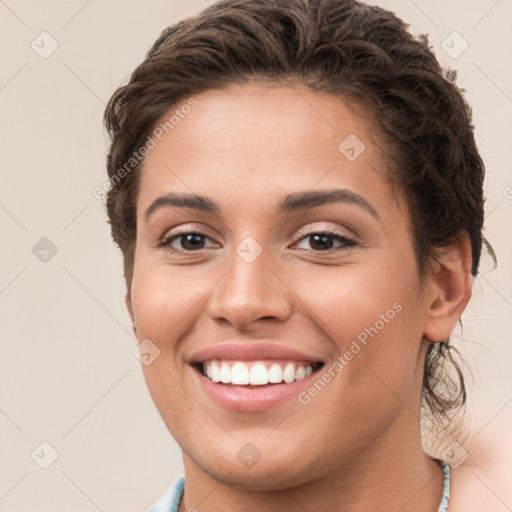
348, 234
184, 229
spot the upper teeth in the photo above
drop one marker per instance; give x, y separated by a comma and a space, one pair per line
255, 372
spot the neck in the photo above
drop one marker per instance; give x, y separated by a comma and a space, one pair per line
391, 473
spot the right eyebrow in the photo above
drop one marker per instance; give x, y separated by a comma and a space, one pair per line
194, 201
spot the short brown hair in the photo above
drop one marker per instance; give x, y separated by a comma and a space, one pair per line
343, 47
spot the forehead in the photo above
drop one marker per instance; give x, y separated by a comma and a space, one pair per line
262, 140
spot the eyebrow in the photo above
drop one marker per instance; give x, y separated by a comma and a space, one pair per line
292, 202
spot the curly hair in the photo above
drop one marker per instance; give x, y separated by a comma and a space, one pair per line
363, 54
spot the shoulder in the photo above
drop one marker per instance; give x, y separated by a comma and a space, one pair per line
484, 480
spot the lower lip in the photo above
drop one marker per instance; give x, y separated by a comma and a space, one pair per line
252, 399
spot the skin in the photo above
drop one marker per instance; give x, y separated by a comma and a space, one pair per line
483, 481
357, 443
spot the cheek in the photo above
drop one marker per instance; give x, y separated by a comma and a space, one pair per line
165, 303
163, 300
350, 299
372, 312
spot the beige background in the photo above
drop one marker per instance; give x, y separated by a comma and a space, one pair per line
69, 376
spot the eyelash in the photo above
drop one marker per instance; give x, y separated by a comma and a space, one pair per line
347, 242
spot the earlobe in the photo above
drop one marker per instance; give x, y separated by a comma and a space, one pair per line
451, 283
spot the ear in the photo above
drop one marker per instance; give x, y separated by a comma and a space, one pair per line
449, 289
128, 302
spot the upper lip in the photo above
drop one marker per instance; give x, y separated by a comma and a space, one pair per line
250, 351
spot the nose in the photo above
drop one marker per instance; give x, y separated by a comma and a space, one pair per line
250, 292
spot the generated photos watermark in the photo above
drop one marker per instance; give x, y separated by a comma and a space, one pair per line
152, 140
357, 345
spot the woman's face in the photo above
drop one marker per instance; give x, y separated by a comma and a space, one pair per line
259, 292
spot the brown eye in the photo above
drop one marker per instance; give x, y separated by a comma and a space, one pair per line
186, 242
324, 241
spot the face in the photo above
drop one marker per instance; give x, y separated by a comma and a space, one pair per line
296, 272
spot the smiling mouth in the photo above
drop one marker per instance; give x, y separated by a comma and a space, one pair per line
249, 374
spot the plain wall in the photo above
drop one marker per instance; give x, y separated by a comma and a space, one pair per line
69, 376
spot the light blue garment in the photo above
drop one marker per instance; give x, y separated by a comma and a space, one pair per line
170, 501
446, 490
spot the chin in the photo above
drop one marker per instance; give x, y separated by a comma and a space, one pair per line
241, 467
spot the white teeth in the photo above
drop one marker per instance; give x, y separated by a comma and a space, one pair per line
225, 373
255, 373
259, 374
289, 373
275, 374
214, 370
239, 374
300, 373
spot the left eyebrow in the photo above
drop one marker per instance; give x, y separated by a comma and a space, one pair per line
311, 199
291, 202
